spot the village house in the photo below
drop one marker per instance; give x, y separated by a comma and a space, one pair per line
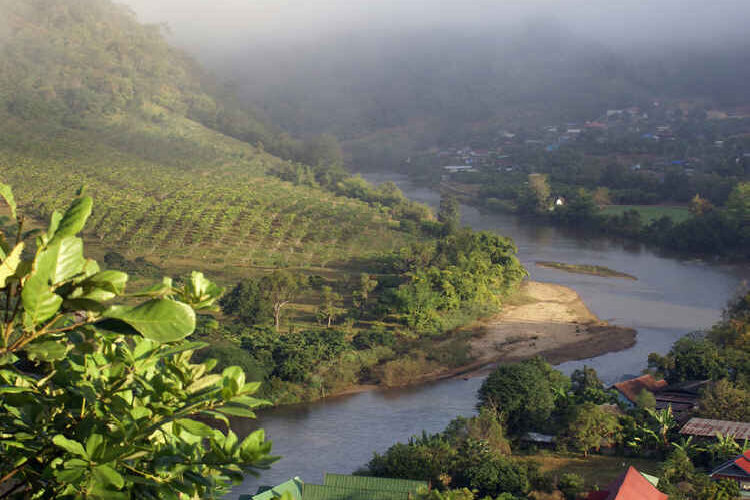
737, 469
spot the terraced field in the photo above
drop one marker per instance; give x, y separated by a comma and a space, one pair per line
210, 202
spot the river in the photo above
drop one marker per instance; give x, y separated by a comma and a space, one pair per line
670, 298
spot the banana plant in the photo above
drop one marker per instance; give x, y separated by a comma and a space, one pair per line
99, 397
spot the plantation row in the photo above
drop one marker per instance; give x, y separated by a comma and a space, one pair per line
223, 214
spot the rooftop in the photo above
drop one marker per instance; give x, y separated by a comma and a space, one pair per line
709, 428
631, 485
631, 388
343, 487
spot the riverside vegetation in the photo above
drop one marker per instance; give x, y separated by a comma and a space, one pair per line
485, 456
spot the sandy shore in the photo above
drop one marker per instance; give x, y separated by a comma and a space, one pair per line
547, 320
543, 319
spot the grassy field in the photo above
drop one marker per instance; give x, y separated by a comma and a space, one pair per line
650, 212
597, 470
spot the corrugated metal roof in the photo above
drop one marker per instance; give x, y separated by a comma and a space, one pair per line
633, 486
293, 486
320, 492
372, 483
709, 427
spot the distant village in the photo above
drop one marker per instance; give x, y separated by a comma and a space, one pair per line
613, 125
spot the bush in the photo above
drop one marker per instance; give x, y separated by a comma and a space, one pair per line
571, 485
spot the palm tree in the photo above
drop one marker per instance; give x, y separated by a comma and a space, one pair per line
665, 422
724, 447
688, 447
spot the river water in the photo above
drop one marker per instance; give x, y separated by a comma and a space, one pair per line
670, 298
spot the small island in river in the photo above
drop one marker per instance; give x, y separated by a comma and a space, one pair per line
590, 269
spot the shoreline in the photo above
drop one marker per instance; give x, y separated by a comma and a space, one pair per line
543, 319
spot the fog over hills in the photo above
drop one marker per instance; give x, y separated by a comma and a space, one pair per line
427, 73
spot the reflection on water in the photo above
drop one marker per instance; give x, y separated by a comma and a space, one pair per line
670, 298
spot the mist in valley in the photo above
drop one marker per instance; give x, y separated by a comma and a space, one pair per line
426, 73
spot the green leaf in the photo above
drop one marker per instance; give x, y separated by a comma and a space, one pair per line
8, 358
39, 303
69, 258
194, 427
187, 346
204, 382
49, 350
249, 401
9, 266
7, 194
157, 290
160, 320
108, 476
75, 217
200, 292
13, 390
70, 446
233, 379
54, 223
111, 281
93, 443
60, 261
236, 411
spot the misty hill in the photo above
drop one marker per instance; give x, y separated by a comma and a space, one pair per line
90, 96
419, 89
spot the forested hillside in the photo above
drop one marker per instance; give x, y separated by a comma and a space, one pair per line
90, 96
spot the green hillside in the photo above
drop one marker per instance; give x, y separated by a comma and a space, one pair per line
90, 96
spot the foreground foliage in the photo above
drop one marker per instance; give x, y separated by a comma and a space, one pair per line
100, 399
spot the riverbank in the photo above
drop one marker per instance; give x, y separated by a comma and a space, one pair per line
547, 320
542, 319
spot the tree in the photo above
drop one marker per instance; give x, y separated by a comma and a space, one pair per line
590, 427
662, 423
329, 310
645, 400
279, 288
101, 400
699, 206
523, 392
691, 358
571, 485
738, 203
587, 386
361, 294
246, 301
723, 401
449, 213
601, 197
539, 185
723, 447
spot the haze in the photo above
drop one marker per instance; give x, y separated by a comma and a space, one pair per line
210, 24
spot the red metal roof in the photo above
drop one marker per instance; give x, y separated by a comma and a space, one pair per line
631, 485
631, 388
743, 462
709, 428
